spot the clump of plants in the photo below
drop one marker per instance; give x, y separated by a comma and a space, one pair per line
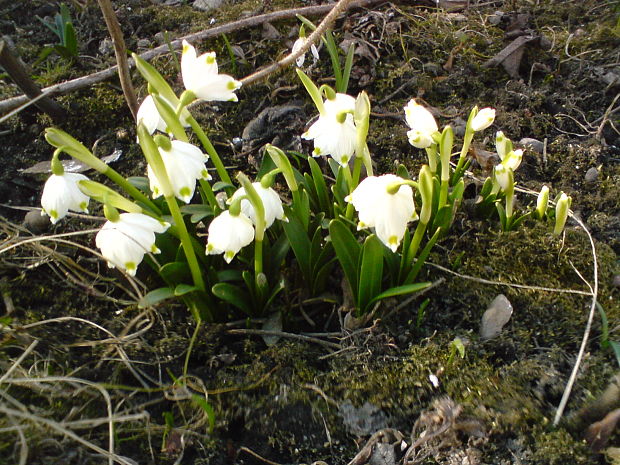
348, 219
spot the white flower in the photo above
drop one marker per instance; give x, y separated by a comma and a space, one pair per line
61, 194
300, 43
271, 203
502, 176
542, 202
200, 75
185, 163
483, 119
501, 144
229, 234
124, 242
334, 133
387, 213
561, 213
512, 160
150, 117
422, 124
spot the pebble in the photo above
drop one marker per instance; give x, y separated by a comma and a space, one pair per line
616, 281
35, 222
207, 5
532, 144
144, 43
495, 317
591, 175
106, 47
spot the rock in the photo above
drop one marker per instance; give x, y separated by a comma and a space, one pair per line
591, 175
458, 126
106, 47
433, 69
35, 222
144, 43
495, 317
270, 122
532, 144
207, 5
615, 282
362, 421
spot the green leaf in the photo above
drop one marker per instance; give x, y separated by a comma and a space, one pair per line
348, 252
616, 348
198, 212
371, 272
69, 40
206, 407
141, 183
221, 185
155, 296
348, 64
301, 245
332, 49
183, 289
175, 273
318, 179
423, 256
234, 295
400, 290
402, 172
604, 326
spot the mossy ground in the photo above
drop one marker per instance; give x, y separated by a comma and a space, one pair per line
282, 401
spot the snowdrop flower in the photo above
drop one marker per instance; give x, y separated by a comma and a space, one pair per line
200, 76
512, 160
383, 210
61, 194
542, 202
503, 176
124, 242
334, 133
228, 234
483, 119
422, 124
150, 117
561, 213
185, 163
300, 43
271, 203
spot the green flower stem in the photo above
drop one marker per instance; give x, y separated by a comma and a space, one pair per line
414, 245
186, 242
460, 166
207, 191
260, 225
510, 195
192, 341
431, 152
131, 190
357, 171
206, 143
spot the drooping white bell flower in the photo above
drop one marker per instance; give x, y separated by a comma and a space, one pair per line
271, 203
422, 124
185, 163
512, 160
200, 76
150, 117
124, 242
228, 234
334, 133
61, 194
302, 58
389, 213
503, 176
483, 119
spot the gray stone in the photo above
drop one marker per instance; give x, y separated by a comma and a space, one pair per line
591, 175
207, 5
495, 317
532, 144
36, 223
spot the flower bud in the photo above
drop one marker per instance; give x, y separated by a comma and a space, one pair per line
542, 202
561, 213
483, 119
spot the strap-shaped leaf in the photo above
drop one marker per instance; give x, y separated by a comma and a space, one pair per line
156, 296
348, 252
371, 272
234, 295
400, 290
319, 185
183, 289
301, 245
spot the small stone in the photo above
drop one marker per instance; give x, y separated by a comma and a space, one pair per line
495, 317
615, 282
106, 47
160, 38
458, 126
433, 69
591, 175
532, 144
144, 43
207, 5
496, 18
35, 222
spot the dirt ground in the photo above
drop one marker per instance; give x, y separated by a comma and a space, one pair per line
75, 350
